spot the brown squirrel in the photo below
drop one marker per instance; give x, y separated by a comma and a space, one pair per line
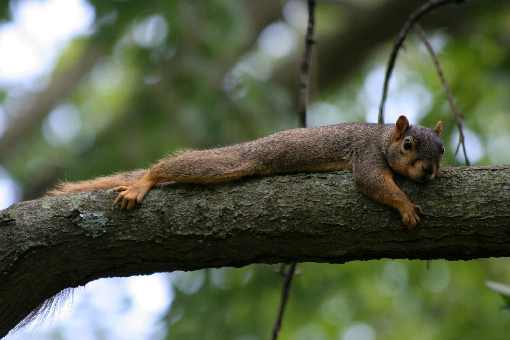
374, 152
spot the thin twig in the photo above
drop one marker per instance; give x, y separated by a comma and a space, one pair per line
304, 79
412, 19
283, 302
458, 115
304, 94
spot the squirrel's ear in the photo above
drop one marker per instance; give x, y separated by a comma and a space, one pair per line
438, 129
401, 127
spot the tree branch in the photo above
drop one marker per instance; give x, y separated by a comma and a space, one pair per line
52, 243
289, 275
304, 71
342, 53
457, 114
304, 94
413, 18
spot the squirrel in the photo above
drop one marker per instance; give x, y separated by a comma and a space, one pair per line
373, 152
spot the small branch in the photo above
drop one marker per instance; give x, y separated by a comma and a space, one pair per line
304, 94
413, 19
458, 115
283, 302
304, 83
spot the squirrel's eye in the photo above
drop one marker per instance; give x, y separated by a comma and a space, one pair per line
408, 144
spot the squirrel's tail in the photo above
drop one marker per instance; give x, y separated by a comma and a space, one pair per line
106, 182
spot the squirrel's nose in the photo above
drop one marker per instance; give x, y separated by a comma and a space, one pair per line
428, 169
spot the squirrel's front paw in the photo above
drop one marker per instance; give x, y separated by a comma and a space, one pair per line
410, 214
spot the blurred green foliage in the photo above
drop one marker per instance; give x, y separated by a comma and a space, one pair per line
190, 74
395, 299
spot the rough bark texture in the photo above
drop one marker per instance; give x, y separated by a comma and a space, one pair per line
52, 243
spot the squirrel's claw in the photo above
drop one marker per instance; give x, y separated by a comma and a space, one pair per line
127, 199
410, 215
130, 204
129, 196
117, 199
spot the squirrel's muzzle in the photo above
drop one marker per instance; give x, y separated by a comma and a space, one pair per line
428, 171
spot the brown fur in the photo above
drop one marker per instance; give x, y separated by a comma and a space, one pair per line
100, 183
373, 152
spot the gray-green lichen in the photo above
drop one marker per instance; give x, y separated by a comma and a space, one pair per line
94, 223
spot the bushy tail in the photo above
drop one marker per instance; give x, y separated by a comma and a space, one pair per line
47, 309
100, 183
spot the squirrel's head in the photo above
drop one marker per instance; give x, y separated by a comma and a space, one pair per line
414, 151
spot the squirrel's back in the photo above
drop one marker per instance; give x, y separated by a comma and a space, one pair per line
304, 148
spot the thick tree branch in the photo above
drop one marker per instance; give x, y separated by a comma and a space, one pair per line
52, 243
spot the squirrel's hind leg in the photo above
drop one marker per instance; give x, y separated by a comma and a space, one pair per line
204, 166
201, 167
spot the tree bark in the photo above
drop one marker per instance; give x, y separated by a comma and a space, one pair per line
53, 243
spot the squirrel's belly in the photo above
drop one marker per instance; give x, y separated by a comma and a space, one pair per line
328, 166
